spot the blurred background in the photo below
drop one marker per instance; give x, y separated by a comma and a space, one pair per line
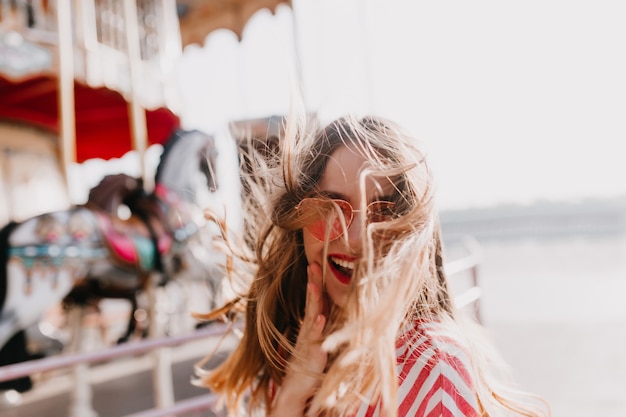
521, 106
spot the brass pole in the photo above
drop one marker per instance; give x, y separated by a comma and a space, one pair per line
137, 114
66, 103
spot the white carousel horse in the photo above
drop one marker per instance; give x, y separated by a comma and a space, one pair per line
86, 252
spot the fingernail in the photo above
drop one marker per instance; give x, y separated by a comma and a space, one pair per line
319, 318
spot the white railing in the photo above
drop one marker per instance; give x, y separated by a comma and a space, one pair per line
205, 402
55, 362
470, 296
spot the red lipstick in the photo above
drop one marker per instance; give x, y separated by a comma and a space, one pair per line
341, 266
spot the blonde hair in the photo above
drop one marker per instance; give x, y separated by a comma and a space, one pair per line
398, 280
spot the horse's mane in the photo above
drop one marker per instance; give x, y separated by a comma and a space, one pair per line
171, 143
112, 190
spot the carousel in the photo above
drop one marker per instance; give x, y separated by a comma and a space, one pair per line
96, 79
92, 79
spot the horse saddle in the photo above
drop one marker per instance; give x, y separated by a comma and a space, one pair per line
131, 243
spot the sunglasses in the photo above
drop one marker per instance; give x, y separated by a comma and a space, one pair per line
327, 218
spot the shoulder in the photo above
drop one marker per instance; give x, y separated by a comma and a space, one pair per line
435, 372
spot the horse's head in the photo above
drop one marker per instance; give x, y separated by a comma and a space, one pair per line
188, 165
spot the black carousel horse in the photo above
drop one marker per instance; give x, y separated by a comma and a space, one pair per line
88, 253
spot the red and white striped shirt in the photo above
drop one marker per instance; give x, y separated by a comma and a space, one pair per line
433, 375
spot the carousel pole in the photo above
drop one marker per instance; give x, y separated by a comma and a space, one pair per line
66, 104
137, 114
80, 404
162, 373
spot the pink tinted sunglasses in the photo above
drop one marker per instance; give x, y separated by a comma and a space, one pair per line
321, 218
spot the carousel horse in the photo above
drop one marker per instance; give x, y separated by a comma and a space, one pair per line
109, 196
88, 252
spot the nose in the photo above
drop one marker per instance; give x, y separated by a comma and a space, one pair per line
354, 232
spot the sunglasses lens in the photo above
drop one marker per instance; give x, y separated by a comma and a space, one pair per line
380, 211
322, 219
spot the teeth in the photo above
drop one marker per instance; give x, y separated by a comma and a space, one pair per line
343, 263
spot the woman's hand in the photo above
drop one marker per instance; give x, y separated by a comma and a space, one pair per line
299, 383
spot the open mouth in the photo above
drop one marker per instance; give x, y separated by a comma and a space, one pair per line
342, 267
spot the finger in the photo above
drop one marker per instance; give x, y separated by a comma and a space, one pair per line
308, 344
314, 299
314, 304
315, 275
314, 272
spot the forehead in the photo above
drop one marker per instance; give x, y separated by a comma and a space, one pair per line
343, 172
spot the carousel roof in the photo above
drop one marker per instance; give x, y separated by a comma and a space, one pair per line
198, 18
102, 122
29, 83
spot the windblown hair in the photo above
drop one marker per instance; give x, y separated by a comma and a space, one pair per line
398, 280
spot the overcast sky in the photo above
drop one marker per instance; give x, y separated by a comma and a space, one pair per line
516, 101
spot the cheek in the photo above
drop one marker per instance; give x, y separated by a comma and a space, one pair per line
313, 248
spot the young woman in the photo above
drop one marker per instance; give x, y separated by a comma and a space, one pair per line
348, 312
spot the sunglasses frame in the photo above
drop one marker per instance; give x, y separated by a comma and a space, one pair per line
342, 205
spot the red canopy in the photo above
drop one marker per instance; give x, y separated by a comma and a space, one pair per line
102, 121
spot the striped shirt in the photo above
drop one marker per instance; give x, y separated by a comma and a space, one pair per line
433, 375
